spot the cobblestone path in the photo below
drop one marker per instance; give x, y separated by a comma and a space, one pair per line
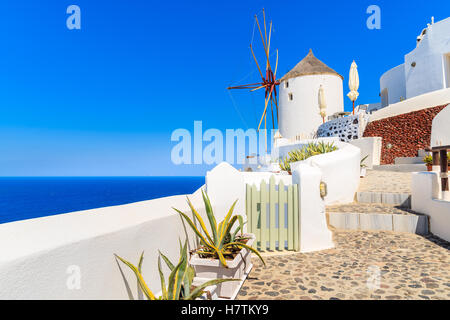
386, 181
407, 266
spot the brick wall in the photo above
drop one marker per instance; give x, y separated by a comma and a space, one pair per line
407, 133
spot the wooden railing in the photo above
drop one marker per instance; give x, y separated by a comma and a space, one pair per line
440, 159
273, 215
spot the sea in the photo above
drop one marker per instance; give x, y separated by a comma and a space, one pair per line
32, 197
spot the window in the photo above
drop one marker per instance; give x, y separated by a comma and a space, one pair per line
290, 96
286, 84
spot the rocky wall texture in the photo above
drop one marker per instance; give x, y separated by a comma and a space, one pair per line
403, 135
346, 128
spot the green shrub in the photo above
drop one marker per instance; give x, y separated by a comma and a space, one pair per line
311, 149
179, 285
219, 241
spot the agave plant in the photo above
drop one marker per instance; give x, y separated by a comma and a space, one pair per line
311, 149
285, 165
179, 286
221, 241
361, 163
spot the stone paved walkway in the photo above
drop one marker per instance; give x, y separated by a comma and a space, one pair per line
410, 267
386, 181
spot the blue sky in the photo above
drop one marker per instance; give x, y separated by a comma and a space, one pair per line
105, 99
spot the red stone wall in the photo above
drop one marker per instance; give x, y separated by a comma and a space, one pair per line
407, 133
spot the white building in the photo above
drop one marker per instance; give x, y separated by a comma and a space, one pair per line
426, 68
299, 97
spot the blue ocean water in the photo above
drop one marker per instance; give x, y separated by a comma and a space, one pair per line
26, 198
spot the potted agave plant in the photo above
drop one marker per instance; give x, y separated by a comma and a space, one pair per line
180, 283
223, 253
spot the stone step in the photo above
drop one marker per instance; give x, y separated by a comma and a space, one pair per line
410, 223
369, 216
398, 199
422, 153
401, 167
409, 160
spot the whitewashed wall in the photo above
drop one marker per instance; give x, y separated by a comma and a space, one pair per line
370, 147
395, 82
36, 254
440, 131
427, 199
313, 230
314, 233
425, 69
338, 166
427, 100
340, 171
300, 117
429, 72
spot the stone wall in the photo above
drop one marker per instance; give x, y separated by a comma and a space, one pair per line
346, 128
403, 135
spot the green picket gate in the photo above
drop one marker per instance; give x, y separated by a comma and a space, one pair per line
272, 215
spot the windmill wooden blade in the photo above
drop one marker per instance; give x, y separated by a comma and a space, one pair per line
269, 81
264, 44
265, 29
265, 109
276, 67
254, 57
246, 86
268, 44
260, 87
271, 108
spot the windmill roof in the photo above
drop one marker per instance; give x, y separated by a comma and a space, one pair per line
310, 65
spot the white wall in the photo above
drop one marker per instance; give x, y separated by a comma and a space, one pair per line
340, 171
313, 230
36, 254
427, 100
314, 233
426, 197
225, 185
338, 166
440, 131
394, 81
428, 74
371, 147
301, 116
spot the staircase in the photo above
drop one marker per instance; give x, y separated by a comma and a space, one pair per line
383, 202
405, 164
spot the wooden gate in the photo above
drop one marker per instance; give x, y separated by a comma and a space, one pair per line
272, 215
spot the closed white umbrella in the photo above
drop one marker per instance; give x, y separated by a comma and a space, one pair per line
322, 103
353, 84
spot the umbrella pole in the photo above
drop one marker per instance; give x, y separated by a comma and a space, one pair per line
353, 107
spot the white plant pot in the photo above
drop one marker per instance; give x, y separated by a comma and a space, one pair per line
238, 268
